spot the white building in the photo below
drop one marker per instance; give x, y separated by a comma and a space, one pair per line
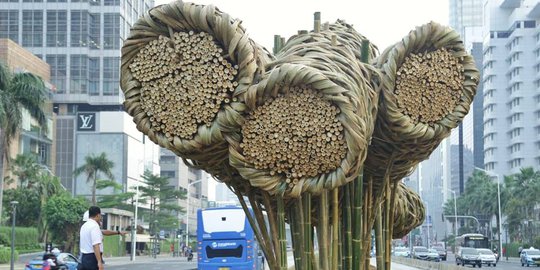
181, 176
81, 42
511, 85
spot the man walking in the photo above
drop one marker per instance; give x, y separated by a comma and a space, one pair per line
91, 241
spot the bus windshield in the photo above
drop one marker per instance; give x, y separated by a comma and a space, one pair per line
472, 241
226, 240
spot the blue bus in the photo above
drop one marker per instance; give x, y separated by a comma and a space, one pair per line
226, 240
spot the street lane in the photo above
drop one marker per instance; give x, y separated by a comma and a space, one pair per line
512, 264
157, 264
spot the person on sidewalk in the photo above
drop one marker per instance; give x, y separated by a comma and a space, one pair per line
91, 241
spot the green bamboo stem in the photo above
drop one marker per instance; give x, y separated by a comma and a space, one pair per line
301, 228
335, 228
273, 222
282, 254
390, 217
387, 238
308, 236
347, 230
368, 207
263, 229
357, 224
295, 237
265, 248
365, 51
379, 239
322, 231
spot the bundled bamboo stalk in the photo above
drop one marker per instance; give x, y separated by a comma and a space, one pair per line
306, 128
183, 67
408, 212
429, 82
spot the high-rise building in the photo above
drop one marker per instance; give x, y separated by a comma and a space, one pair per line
32, 139
511, 85
81, 41
183, 177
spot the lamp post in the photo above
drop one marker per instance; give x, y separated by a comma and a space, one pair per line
498, 202
455, 212
134, 230
13, 222
187, 210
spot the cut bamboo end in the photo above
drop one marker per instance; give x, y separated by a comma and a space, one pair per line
429, 85
185, 81
294, 134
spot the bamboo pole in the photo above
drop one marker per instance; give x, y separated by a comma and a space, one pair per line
300, 227
295, 237
256, 230
308, 236
262, 226
391, 223
379, 239
347, 226
335, 229
274, 223
323, 231
282, 254
357, 224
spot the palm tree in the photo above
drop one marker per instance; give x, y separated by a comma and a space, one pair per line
17, 91
92, 167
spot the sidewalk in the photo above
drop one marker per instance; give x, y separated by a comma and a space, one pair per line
395, 266
111, 261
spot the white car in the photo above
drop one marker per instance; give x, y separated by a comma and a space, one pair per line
401, 252
487, 256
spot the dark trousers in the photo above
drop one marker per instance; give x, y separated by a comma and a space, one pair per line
89, 262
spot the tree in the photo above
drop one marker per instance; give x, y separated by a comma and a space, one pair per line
27, 209
17, 91
46, 187
118, 200
93, 166
521, 195
479, 198
26, 168
162, 198
64, 217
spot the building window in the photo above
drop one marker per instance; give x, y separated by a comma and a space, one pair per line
95, 30
56, 28
9, 24
93, 76
111, 31
32, 34
515, 163
58, 65
515, 117
111, 2
529, 24
79, 28
111, 75
79, 74
515, 148
167, 159
514, 133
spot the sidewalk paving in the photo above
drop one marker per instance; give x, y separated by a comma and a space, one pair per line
110, 261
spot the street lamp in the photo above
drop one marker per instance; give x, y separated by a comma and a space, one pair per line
134, 231
13, 221
187, 210
455, 212
498, 202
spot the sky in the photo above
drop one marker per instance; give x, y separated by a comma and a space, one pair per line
383, 22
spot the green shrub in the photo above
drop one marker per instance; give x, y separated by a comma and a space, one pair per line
114, 245
5, 255
26, 238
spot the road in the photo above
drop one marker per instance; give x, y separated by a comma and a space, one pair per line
512, 264
157, 264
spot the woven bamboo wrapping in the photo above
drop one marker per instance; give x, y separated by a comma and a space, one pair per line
336, 72
409, 211
396, 138
208, 148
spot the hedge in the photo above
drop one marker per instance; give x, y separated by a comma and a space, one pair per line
114, 245
5, 255
25, 238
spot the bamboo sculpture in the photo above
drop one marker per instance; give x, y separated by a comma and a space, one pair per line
317, 136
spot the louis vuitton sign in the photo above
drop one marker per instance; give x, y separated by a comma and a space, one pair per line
86, 122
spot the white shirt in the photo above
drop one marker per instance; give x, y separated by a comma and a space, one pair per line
90, 235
